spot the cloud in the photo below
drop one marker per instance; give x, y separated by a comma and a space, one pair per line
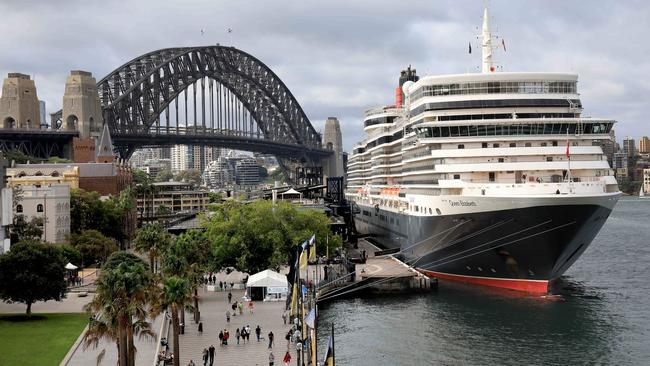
342, 57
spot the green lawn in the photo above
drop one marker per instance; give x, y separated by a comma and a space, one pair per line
42, 340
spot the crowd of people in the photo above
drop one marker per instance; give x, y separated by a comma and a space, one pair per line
242, 334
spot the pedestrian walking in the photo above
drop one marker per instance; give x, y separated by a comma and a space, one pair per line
250, 306
205, 356
287, 358
226, 336
288, 338
284, 317
227, 316
220, 285
221, 337
248, 333
211, 353
240, 305
258, 332
237, 335
271, 359
191, 363
200, 327
229, 297
270, 339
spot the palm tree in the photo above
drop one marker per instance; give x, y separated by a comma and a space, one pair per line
124, 289
175, 295
152, 240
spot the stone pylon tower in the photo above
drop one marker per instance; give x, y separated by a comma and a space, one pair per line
19, 106
332, 140
82, 110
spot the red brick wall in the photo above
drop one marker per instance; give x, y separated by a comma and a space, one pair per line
83, 150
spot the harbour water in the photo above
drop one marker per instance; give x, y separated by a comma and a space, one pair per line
602, 315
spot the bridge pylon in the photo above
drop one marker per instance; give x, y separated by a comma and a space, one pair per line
82, 110
19, 106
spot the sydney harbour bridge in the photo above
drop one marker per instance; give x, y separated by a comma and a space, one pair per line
207, 96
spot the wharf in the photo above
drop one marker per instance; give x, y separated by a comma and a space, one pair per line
377, 274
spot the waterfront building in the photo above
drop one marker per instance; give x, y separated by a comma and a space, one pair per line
629, 147
247, 172
179, 154
646, 181
154, 166
51, 204
644, 145
178, 197
219, 173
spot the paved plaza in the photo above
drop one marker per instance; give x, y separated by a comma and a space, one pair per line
268, 315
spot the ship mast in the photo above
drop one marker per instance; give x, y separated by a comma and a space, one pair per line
486, 43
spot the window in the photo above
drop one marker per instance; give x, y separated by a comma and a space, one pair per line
544, 144
554, 143
39, 208
484, 145
19, 208
500, 160
549, 158
527, 144
495, 145
513, 144
461, 146
456, 176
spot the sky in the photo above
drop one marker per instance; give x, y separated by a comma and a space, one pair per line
340, 58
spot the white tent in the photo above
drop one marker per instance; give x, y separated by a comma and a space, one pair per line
267, 285
70, 266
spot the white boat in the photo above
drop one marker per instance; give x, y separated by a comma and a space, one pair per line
491, 178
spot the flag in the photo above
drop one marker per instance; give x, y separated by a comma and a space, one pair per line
312, 239
303, 259
310, 319
329, 355
312, 253
304, 291
470, 47
503, 42
567, 148
294, 299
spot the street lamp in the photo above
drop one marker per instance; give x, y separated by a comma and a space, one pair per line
298, 350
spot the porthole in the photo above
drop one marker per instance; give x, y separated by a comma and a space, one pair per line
493, 270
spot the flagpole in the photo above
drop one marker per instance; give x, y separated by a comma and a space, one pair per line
333, 353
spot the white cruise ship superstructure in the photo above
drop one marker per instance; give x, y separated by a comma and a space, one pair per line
493, 178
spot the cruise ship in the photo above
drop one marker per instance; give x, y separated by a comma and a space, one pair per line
492, 178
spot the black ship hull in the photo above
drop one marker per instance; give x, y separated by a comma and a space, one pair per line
520, 248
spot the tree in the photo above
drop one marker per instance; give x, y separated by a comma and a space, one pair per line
88, 211
163, 210
23, 230
125, 288
164, 176
215, 197
187, 257
152, 240
69, 253
175, 295
259, 235
30, 272
93, 246
192, 176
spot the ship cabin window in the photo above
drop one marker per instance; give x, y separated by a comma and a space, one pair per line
484, 145
366, 213
495, 145
527, 144
544, 143
438, 211
549, 158
500, 160
456, 176
417, 209
19, 208
513, 144
554, 143
430, 211
39, 208
461, 146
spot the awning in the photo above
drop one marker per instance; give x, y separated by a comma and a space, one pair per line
267, 278
70, 266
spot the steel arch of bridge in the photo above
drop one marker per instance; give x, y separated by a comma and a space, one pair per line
134, 96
